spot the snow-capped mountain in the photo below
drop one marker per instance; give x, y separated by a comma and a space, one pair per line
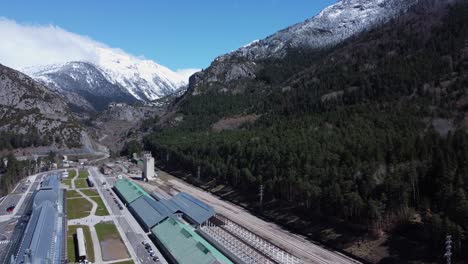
83, 84
331, 26
144, 79
334, 24
114, 76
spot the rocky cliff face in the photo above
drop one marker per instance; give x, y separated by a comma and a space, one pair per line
331, 26
27, 106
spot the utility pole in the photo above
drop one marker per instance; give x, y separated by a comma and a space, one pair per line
167, 158
448, 249
262, 188
198, 172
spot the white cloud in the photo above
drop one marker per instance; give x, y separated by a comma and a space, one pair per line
24, 45
186, 73
29, 45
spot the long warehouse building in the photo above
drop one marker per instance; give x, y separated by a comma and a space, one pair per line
150, 211
171, 224
43, 237
182, 245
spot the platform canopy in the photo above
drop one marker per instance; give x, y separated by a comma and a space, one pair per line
193, 209
149, 212
129, 190
185, 245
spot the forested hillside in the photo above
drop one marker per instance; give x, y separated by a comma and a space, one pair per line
370, 134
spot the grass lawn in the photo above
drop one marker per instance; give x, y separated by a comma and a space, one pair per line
101, 210
81, 183
107, 230
71, 173
71, 250
73, 194
67, 182
78, 208
125, 262
112, 245
90, 192
83, 174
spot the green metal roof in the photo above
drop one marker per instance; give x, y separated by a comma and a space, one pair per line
186, 246
129, 190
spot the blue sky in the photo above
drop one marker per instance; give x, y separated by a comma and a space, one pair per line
176, 33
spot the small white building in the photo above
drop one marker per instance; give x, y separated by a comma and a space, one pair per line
82, 256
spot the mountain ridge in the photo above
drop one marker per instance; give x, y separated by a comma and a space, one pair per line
113, 77
29, 108
361, 146
331, 26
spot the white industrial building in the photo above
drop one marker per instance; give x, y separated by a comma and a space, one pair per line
148, 166
80, 238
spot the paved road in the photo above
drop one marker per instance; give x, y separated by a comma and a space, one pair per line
130, 227
20, 217
89, 221
10, 200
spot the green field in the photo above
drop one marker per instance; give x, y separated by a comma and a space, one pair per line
125, 262
78, 208
101, 210
71, 173
107, 231
81, 183
83, 174
73, 194
67, 182
90, 192
71, 252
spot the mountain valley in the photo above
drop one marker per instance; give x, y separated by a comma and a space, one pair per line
353, 125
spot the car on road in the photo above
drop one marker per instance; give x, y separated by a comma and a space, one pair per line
10, 209
150, 250
153, 254
155, 259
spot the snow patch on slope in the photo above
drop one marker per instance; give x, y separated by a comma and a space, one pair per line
332, 25
143, 79
139, 76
